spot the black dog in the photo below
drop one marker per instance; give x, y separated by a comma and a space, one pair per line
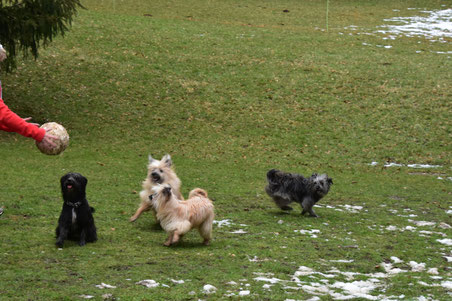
285, 188
76, 220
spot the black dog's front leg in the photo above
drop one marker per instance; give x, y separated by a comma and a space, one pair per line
62, 235
82, 241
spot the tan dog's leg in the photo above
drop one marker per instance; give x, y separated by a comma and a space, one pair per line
143, 207
205, 230
169, 240
173, 238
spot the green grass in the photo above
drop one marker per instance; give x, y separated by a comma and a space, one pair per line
231, 89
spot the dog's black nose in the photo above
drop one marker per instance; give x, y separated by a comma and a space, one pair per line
155, 176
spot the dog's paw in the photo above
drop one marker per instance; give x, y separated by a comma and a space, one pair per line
133, 218
59, 244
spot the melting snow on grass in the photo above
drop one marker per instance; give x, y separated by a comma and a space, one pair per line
445, 241
313, 233
349, 208
104, 285
393, 164
148, 283
430, 24
325, 284
209, 289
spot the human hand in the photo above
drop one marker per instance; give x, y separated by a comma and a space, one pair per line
2, 54
29, 118
48, 139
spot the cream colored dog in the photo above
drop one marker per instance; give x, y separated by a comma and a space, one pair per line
159, 172
178, 217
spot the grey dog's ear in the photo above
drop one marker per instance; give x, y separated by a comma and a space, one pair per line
330, 181
167, 160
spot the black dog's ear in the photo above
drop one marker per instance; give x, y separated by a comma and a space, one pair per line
271, 173
84, 181
330, 181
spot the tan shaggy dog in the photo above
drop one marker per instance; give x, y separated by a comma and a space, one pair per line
178, 217
159, 172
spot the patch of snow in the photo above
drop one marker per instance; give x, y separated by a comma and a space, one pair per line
444, 226
393, 164
244, 293
417, 267
422, 223
272, 280
447, 285
448, 258
391, 228
303, 271
208, 289
351, 208
435, 24
225, 222
104, 285
396, 259
423, 166
358, 289
177, 281
149, 283
240, 231
445, 241
342, 261
390, 269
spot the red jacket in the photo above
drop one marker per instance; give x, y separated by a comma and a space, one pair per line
10, 122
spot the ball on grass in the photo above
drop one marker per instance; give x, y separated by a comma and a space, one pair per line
61, 142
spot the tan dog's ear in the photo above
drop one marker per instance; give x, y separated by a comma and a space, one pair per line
167, 160
167, 191
151, 160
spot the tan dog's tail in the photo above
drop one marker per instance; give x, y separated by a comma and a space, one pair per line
198, 192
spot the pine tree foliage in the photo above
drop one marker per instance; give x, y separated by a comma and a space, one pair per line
26, 25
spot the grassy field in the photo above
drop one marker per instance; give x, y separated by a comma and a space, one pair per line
231, 89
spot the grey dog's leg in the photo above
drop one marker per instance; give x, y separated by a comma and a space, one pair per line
282, 203
307, 205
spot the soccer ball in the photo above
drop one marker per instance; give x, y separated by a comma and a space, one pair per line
62, 142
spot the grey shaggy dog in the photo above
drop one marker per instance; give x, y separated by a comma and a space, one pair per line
285, 188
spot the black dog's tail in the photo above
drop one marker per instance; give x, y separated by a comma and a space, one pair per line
92, 209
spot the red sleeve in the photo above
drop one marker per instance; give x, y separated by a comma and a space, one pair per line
10, 122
